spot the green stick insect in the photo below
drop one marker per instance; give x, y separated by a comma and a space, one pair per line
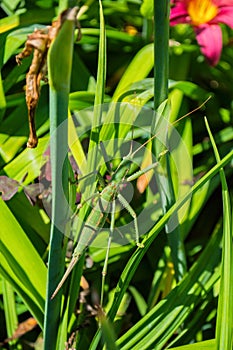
105, 204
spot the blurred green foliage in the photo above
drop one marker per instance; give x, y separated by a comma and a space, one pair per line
155, 312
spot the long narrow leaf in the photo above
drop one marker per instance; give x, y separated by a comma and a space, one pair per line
21, 264
136, 258
224, 332
99, 96
204, 345
9, 307
138, 69
158, 325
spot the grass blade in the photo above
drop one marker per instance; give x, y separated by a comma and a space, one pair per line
161, 322
9, 307
138, 69
136, 258
88, 184
203, 345
225, 301
107, 331
28, 279
2, 100
99, 97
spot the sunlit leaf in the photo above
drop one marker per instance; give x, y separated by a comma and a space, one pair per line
147, 8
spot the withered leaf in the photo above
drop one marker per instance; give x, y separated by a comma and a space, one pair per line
32, 191
38, 44
9, 187
23, 328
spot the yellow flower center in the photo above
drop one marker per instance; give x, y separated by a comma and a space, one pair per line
201, 11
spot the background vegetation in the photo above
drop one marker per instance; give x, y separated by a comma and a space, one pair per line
150, 301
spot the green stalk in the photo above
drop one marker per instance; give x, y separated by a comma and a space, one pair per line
59, 65
161, 53
161, 40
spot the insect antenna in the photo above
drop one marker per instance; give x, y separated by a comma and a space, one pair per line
169, 125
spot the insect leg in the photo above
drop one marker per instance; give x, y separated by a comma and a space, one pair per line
104, 271
142, 172
134, 216
65, 276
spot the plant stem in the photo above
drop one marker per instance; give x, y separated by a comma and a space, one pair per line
161, 41
165, 183
59, 65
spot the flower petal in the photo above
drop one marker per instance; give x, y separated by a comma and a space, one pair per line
209, 37
225, 15
222, 3
179, 14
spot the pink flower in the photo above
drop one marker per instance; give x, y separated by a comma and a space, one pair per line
204, 16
